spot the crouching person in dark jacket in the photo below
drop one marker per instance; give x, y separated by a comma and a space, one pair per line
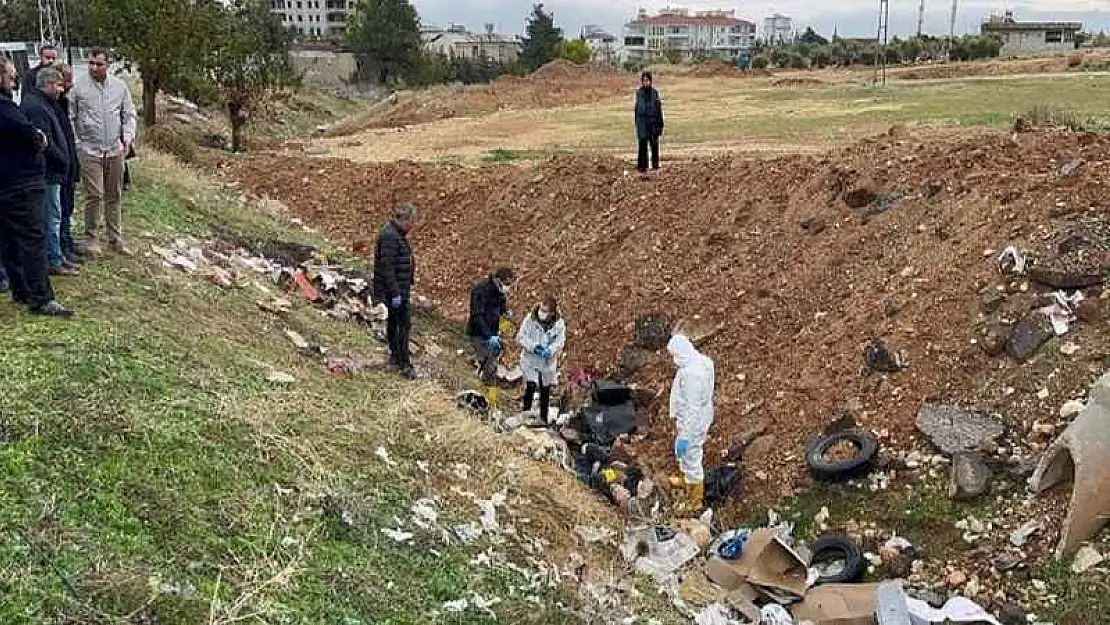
394, 275
488, 303
22, 224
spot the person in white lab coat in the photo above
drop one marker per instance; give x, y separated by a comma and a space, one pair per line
691, 407
542, 337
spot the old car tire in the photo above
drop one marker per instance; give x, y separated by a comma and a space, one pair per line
828, 470
837, 547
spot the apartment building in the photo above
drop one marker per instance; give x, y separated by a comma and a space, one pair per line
315, 19
454, 40
689, 34
778, 29
603, 45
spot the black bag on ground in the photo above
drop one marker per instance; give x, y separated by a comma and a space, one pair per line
722, 483
606, 423
606, 393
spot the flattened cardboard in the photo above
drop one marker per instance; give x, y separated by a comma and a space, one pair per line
767, 563
839, 604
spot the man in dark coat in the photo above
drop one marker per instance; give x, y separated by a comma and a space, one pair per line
488, 303
649, 123
69, 246
40, 106
22, 224
394, 275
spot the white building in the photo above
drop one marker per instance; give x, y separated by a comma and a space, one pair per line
455, 41
778, 29
604, 47
702, 33
315, 19
1031, 37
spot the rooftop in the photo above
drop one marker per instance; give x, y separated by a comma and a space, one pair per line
1010, 25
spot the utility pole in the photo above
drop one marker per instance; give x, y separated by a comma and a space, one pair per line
49, 22
881, 42
921, 19
952, 30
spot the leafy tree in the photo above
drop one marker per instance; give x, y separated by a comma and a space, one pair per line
249, 59
811, 37
385, 35
19, 21
672, 55
760, 62
167, 39
574, 50
541, 41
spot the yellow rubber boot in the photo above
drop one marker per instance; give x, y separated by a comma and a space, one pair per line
492, 394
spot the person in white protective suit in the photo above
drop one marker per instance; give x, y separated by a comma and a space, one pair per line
542, 336
692, 410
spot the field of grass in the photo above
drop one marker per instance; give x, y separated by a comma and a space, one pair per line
706, 116
151, 472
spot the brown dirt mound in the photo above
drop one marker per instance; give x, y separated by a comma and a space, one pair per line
798, 83
558, 83
720, 69
724, 239
985, 68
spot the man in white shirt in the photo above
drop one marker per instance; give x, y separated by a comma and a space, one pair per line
105, 123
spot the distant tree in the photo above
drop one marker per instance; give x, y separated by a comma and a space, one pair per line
19, 21
797, 61
166, 39
576, 51
811, 37
672, 55
385, 37
761, 62
250, 58
541, 40
821, 57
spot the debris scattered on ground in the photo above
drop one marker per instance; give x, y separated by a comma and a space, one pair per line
880, 358
1086, 558
398, 535
1011, 261
956, 610
383, 455
658, 551
1021, 536
279, 377
954, 430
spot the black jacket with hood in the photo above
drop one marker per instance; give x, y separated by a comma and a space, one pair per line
43, 113
487, 305
649, 113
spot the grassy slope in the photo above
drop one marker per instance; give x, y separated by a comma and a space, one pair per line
149, 469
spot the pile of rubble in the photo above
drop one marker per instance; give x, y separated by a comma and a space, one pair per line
802, 261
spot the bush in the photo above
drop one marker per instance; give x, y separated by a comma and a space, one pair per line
761, 62
1047, 116
797, 61
172, 141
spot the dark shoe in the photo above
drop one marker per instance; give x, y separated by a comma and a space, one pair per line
52, 309
73, 259
409, 373
62, 270
68, 264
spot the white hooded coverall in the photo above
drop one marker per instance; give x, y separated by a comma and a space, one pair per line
536, 369
691, 403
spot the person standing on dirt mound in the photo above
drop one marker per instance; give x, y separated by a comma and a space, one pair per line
649, 123
542, 336
488, 304
691, 407
394, 275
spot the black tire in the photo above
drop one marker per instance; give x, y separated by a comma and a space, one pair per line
838, 547
840, 470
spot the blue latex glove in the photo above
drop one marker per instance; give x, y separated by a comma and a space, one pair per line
396, 302
494, 342
539, 351
681, 446
546, 351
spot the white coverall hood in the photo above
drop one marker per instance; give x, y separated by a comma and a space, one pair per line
691, 403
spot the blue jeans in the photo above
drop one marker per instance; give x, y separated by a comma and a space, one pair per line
52, 202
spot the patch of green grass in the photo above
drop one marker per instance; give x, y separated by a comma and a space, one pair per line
149, 470
500, 155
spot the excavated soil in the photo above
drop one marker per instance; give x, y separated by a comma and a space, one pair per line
798, 280
559, 83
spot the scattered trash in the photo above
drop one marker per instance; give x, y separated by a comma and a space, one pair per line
1070, 167
953, 430
398, 535
774, 614
489, 511
891, 607
1021, 536
847, 604
715, 614
732, 547
298, 341
278, 377
339, 367
956, 610
1071, 408
594, 534
1011, 261
879, 358
837, 559
1086, 558
658, 551
467, 533
509, 376
841, 456
1062, 311
472, 401
457, 606
1069, 349
969, 476
1029, 335
767, 564
1082, 455
424, 513
383, 455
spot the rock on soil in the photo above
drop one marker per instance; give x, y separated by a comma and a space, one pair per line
956, 430
1029, 335
720, 237
970, 477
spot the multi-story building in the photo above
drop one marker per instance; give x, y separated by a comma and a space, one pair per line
315, 19
778, 29
688, 35
455, 41
603, 45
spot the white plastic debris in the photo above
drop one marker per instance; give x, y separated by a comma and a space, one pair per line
775, 614
715, 614
489, 511
594, 534
1011, 260
457, 606
1069, 349
298, 340
383, 455
1071, 408
1022, 535
279, 377
957, 610
1061, 312
468, 532
424, 513
1086, 558
821, 518
398, 535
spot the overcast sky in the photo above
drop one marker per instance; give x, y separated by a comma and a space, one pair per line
851, 17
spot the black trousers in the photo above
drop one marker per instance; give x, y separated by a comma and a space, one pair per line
545, 397
23, 243
642, 158
397, 331
69, 247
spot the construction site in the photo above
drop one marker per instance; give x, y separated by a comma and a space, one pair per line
899, 273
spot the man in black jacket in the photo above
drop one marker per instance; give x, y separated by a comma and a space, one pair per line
488, 303
22, 225
649, 123
40, 106
394, 275
69, 187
